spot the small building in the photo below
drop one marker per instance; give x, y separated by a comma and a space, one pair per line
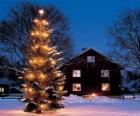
92, 73
9, 82
4, 87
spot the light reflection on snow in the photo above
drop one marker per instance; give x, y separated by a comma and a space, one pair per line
77, 106
70, 112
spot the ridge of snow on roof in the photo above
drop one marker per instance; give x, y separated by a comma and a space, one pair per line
93, 49
4, 81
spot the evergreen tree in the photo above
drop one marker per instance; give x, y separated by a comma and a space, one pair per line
43, 82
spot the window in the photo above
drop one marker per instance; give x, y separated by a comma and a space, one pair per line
105, 87
90, 59
76, 73
1, 89
76, 87
104, 73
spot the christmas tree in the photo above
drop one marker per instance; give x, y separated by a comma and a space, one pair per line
43, 82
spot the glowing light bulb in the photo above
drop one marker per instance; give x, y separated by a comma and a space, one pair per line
58, 74
60, 88
45, 48
41, 11
45, 22
26, 89
53, 62
36, 20
32, 33
39, 61
35, 47
30, 76
42, 76
45, 34
30, 90
93, 95
37, 33
43, 106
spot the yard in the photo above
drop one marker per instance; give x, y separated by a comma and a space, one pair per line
78, 106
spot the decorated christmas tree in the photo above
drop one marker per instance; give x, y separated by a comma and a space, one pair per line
43, 82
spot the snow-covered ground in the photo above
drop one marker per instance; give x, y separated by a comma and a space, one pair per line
78, 106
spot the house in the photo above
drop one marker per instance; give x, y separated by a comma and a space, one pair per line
92, 73
4, 87
9, 82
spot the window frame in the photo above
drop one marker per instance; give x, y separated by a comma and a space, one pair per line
76, 73
103, 73
107, 88
90, 59
1, 89
74, 89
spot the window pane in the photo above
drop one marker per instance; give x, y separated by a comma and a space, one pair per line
90, 58
2, 90
105, 87
76, 73
104, 73
76, 87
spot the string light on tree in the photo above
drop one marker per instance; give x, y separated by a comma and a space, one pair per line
43, 82
41, 12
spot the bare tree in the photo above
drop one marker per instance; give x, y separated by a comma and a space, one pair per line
15, 31
125, 45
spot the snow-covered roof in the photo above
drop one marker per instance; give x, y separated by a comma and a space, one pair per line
132, 69
93, 49
4, 81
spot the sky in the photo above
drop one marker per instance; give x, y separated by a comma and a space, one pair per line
90, 19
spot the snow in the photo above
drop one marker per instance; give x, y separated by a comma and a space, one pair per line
98, 99
78, 106
4, 81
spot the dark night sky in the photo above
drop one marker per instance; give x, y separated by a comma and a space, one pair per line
89, 18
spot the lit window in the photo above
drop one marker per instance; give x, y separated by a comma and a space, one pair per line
76, 73
76, 87
105, 87
104, 73
90, 59
1, 90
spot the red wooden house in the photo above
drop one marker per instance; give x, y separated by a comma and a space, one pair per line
91, 72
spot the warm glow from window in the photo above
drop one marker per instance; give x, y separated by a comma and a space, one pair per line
76, 87
76, 73
1, 90
105, 87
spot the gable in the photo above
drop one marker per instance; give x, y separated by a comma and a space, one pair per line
82, 58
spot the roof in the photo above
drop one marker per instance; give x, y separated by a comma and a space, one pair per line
91, 49
4, 81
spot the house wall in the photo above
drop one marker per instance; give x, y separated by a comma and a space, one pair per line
91, 79
6, 89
